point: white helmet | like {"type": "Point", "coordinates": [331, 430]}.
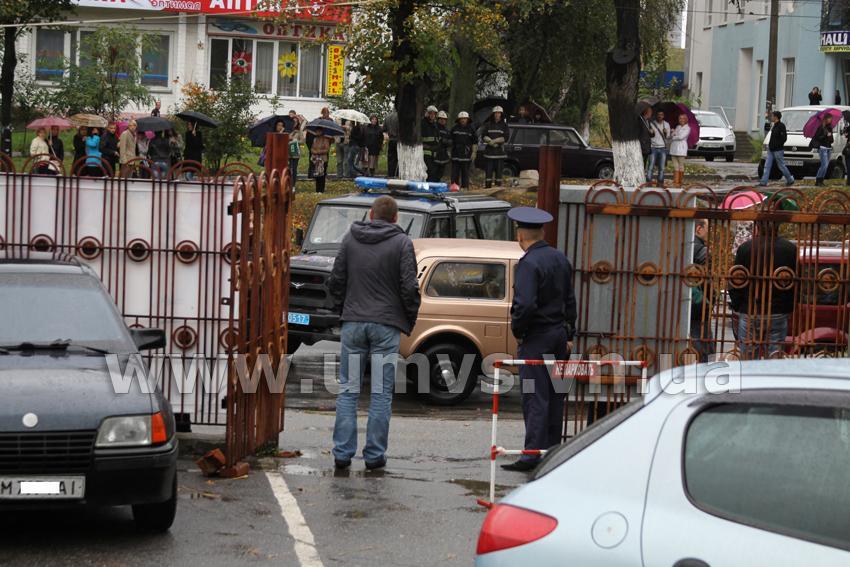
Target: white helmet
{"type": "Point", "coordinates": [498, 109]}
{"type": "Point", "coordinates": [442, 114]}
{"type": "Point", "coordinates": [462, 114]}
{"type": "Point", "coordinates": [431, 108]}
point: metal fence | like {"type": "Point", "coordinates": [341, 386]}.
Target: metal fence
{"type": "Point", "coordinates": [162, 247]}
{"type": "Point", "coordinates": [773, 282]}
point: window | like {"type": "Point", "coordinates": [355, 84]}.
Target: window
{"type": "Point", "coordinates": [709, 13]}
{"type": "Point", "coordinates": [441, 227]}
{"type": "Point", "coordinates": [564, 138]}
{"type": "Point", "coordinates": [788, 66]}
{"type": "Point", "coordinates": [529, 136]}
{"type": "Point", "coordinates": [776, 467]}
{"type": "Point", "coordinates": [468, 280]}
{"type": "Point", "coordinates": [757, 109]}
{"type": "Point", "coordinates": [724, 16]}
{"type": "Point", "coordinates": [699, 86]}
{"type": "Point", "coordinates": [331, 223]}
{"type": "Point", "coordinates": [283, 68]}
{"type": "Point", "coordinates": [155, 58]}
{"type": "Point", "coordinates": [49, 54]}
{"type": "Point", "coordinates": [495, 226]}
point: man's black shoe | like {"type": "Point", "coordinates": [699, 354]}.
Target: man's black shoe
{"type": "Point", "coordinates": [521, 466]}
{"type": "Point", "coordinates": [340, 465]}
{"type": "Point", "coordinates": [374, 465]}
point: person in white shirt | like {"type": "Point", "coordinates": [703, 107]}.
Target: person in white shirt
{"type": "Point", "coordinates": [679, 149]}
{"type": "Point", "coordinates": [660, 136]}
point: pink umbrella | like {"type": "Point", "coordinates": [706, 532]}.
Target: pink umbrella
{"type": "Point", "coordinates": [672, 110]}
{"type": "Point", "coordinates": [49, 122]}
{"type": "Point", "coordinates": [742, 200]}
{"type": "Point", "coordinates": [814, 122]}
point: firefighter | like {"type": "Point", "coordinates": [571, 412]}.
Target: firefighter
{"type": "Point", "coordinates": [494, 133]}
{"type": "Point", "coordinates": [430, 141]}
{"type": "Point", "coordinates": [543, 317]}
{"type": "Point", "coordinates": [442, 158]}
{"type": "Point", "coordinates": [463, 140]}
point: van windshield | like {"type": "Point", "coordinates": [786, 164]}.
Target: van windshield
{"type": "Point", "coordinates": [332, 222]}
{"type": "Point", "coordinates": [795, 119]}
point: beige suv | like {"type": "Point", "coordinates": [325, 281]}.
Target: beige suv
{"type": "Point", "coordinates": [467, 289]}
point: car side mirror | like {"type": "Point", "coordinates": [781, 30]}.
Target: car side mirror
{"type": "Point", "coordinates": [299, 237]}
{"type": "Point", "coordinates": [148, 339]}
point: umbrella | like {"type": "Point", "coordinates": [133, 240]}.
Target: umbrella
{"type": "Point", "coordinates": [672, 110]}
{"type": "Point", "coordinates": [153, 124]}
{"type": "Point", "coordinates": [812, 124]}
{"type": "Point", "coordinates": [90, 120]}
{"type": "Point", "coordinates": [50, 122]}
{"type": "Point", "coordinates": [349, 114]}
{"type": "Point", "coordinates": [121, 126]}
{"type": "Point", "coordinates": [323, 127]}
{"type": "Point", "coordinates": [199, 118]}
{"type": "Point", "coordinates": [263, 126]}
{"type": "Point", "coordinates": [742, 200]}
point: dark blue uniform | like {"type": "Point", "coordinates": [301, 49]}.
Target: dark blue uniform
{"type": "Point", "coordinates": [543, 317]}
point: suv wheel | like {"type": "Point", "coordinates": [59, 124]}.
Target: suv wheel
{"type": "Point", "coordinates": [605, 171]}
{"type": "Point", "coordinates": [445, 386]}
{"type": "Point", "coordinates": [157, 517]}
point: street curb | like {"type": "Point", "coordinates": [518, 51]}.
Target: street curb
{"type": "Point", "coordinates": [199, 444]}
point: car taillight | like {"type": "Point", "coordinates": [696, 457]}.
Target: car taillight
{"type": "Point", "coordinates": [508, 526]}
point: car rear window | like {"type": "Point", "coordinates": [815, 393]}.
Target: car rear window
{"type": "Point", "coordinates": [781, 468]}
{"type": "Point", "coordinates": [468, 280]}
{"type": "Point", "coordinates": [588, 437]}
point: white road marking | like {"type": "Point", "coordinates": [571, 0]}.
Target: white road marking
{"type": "Point", "coordinates": [305, 544]}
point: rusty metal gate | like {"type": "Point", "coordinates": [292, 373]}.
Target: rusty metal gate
{"type": "Point", "coordinates": [773, 283]}
{"type": "Point", "coordinates": [259, 296]}
{"type": "Point", "coordinates": [162, 247]}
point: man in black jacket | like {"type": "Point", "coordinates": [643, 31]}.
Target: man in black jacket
{"type": "Point", "coordinates": [374, 278]}
{"type": "Point", "coordinates": [109, 145]}
{"type": "Point", "coordinates": [701, 296]}
{"type": "Point", "coordinates": [764, 303]}
{"type": "Point", "coordinates": [776, 151]}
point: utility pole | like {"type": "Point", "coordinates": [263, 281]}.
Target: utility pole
{"type": "Point", "coordinates": [772, 52]}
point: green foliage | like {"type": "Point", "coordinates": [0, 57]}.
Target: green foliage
{"type": "Point", "coordinates": [108, 76]}
{"type": "Point", "coordinates": [231, 106]}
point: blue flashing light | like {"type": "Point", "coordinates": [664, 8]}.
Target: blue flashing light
{"type": "Point", "coordinates": [379, 183]}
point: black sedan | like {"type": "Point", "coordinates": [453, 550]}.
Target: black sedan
{"type": "Point", "coordinates": [578, 159]}
{"type": "Point", "coordinates": [72, 431]}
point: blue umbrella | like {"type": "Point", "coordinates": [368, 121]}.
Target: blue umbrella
{"type": "Point", "coordinates": [257, 133]}
{"type": "Point", "coordinates": [324, 127]}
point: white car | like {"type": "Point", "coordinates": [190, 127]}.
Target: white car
{"type": "Point", "coordinates": [716, 137]}
{"type": "Point", "coordinates": [801, 160]}
{"type": "Point", "coordinates": [717, 465]}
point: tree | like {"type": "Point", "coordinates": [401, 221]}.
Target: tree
{"type": "Point", "coordinates": [19, 13]}
{"type": "Point", "coordinates": [231, 106]}
{"type": "Point", "coordinates": [108, 76]}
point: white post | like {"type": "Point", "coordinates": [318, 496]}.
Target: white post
{"type": "Point", "coordinates": [496, 380]}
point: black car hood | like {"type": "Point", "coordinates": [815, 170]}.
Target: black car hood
{"type": "Point", "coordinates": [69, 392]}
{"type": "Point", "coordinates": [321, 262]}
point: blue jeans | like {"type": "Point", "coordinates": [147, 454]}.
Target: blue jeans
{"type": "Point", "coordinates": [762, 337]}
{"type": "Point", "coordinates": [825, 154]}
{"type": "Point", "coordinates": [359, 340]}
{"type": "Point", "coordinates": [160, 169]}
{"type": "Point", "coordinates": [657, 157]}
{"type": "Point", "coordinates": [779, 157]}
{"type": "Point", "coordinates": [351, 155]}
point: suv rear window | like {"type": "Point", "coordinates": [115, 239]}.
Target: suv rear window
{"type": "Point", "coordinates": [468, 280]}
{"type": "Point", "coordinates": [781, 468]}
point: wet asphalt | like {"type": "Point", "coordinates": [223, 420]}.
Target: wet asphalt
{"type": "Point", "coordinates": [420, 510]}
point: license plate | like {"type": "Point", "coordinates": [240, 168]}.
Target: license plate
{"type": "Point", "coordinates": [42, 488]}
{"type": "Point", "coordinates": [794, 162]}
{"type": "Point", "coordinates": [298, 318]}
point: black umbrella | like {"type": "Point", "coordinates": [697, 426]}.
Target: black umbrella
{"type": "Point", "coordinates": [263, 126]}
{"type": "Point", "coordinates": [153, 124]}
{"type": "Point", "coordinates": [324, 127]}
{"type": "Point", "coordinates": [199, 118]}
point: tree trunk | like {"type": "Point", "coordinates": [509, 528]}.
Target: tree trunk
{"type": "Point", "coordinates": [462, 95]}
{"type": "Point", "coordinates": [622, 74]}
{"type": "Point", "coordinates": [409, 100]}
{"type": "Point", "coordinates": [7, 75]}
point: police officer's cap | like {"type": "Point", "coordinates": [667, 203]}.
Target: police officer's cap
{"type": "Point", "coordinates": [529, 217]}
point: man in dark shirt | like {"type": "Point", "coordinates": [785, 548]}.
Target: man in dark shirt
{"type": "Point", "coordinates": [765, 302]}
{"type": "Point", "coordinates": [543, 317]}
{"type": "Point", "coordinates": [776, 151]}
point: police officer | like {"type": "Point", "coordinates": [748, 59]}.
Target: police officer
{"type": "Point", "coordinates": [430, 142]}
{"type": "Point", "coordinates": [543, 317]}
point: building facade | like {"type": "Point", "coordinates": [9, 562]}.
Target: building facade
{"type": "Point", "coordinates": [298, 58]}
{"type": "Point", "coordinates": [727, 56]}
